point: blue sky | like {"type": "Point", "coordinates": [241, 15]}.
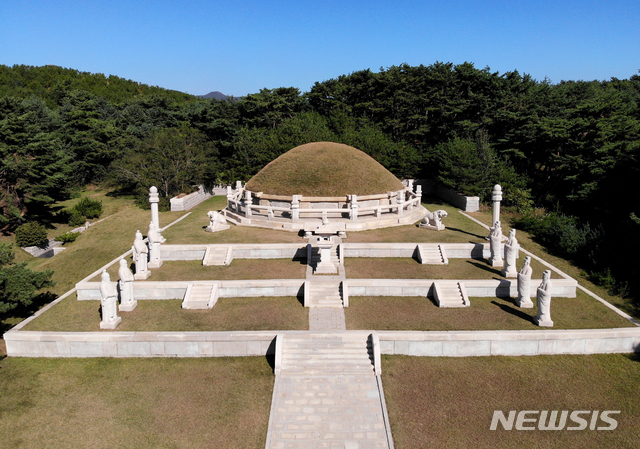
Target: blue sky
{"type": "Point", "coordinates": [239, 47]}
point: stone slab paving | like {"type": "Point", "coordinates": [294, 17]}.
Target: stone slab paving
{"type": "Point", "coordinates": [331, 411]}
{"type": "Point", "coordinates": [326, 318]}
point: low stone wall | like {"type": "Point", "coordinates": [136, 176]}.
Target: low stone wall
{"type": "Point", "coordinates": [139, 344]}
{"type": "Point", "coordinates": [191, 200]}
{"type": "Point", "coordinates": [479, 288]}
{"type": "Point", "coordinates": [453, 250]}
{"type": "Point", "coordinates": [510, 343]}
{"type": "Point", "coordinates": [90, 291]}
{"type": "Point", "coordinates": [466, 203]}
{"type": "Point", "coordinates": [482, 288]}
{"type": "Point", "coordinates": [261, 343]}
{"type": "Point", "coordinates": [240, 251]}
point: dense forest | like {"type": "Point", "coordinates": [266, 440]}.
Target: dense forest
{"type": "Point", "coordinates": [570, 149]}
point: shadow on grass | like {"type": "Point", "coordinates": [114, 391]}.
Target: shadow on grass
{"type": "Point", "coordinates": [513, 311]}
{"type": "Point", "coordinates": [635, 357]}
{"type": "Point", "coordinates": [466, 232]}
{"type": "Point", "coordinates": [25, 311]}
{"type": "Point", "coordinates": [486, 268]}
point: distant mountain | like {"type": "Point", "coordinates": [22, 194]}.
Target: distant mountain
{"type": "Point", "coordinates": [217, 95]}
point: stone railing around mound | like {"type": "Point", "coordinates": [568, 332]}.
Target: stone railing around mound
{"type": "Point", "coordinates": [248, 205]}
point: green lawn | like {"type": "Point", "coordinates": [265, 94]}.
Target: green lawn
{"type": "Point", "coordinates": [407, 268]}
{"type": "Point", "coordinates": [421, 313]}
{"type": "Point", "coordinates": [443, 402]}
{"type": "Point", "coordinates": [229, 314]}
{"type": "Point", "coordinates": [135, 403]}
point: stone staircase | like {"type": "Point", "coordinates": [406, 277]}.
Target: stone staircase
{"type": "Point", "coordinates": [217, 255]}
{"type": "Point", "coordinates": [323, 294]}
{"type": "Point", "coordinates": [322, 354]}
{"type": "Point", "coordinates": [200, 296]}
{"type": "Point", "coordinates": [315, 256]}
{"type": "Point", "coordinates": [450, 294]}
{"type": "Point", "coordinates": [432, 255]}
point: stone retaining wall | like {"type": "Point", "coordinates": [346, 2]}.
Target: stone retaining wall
{"type": "Point", "coordinates": [261, 343]}
{"type": "Point", "coordinates": [139, 344]}
{"type": "Point", "coordinates": [191, 200]}
{"type": "Point", "coordinates": [511, 343]}
{"type": "Point", "coordinates": [151, 290]}
{"type": "Point", "coordinates": [484, 288]}
{"type": "Point", "coordinates": [466, 203]}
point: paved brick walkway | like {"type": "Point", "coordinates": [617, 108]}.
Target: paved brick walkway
{"type": "Point", "coordinates": [332, 412]}
{"type": "Point", "coordinates": [326, 318]}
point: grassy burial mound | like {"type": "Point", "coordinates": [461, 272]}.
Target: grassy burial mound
{"type": "Point", "coordinates": [324, 169]}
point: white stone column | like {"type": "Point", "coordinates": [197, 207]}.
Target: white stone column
{"type": "Point", "coordinates": [354, 207]}
{"type": "Point", "coordinates": [496, 197]}
{"type": "Point", "coordinates": [400, 202]}
{"type": "Point", "coordinates": [154, 199]}
{"type": "Point", "coordinates": [247, 202]}
{"type": "Point", "coordinates": [238, 185]}
{"type": "Point", "coordinates": [295, 206]}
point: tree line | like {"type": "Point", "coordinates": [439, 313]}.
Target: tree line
{"type": "Point", "coordinates": [571, 148]}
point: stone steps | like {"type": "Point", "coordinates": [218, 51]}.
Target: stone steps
{"type": "Point", "coordinates": [450, 294]}
{"type": "Point", "coordinates": [326, 354]}
{"type": "Point", "coordinates": [200, 296]}
{"type": "Point", "coordinates": [217, 255]}
{"type": "Point", "coordinates": [324, 294]}
{"type": "Point", "coordinates": [432, 255]}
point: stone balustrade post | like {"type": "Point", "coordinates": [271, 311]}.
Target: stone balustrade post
{"type": "Point", "coordinates": [295, 208]}
{"type": "Point", "coordinates": [400, 202]}
{"type": "Point", "coordinates": [154, 199]}
{"type": "Point", "coordinates": [247, 202]}
{"type": "Point", "coordinates": [496, 197]}
{"type": "Point", "coordinates": [354, 207]}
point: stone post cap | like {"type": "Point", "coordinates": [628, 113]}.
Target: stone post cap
{"type": "Point", "coordinates": [153, 195]}
{"type": "Point", "coordinates": [496, 195]}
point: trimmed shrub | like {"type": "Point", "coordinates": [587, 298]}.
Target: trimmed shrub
{"type": "Point", "coordinates": [67, 237]}
{"type": "Point", "coordinates": [76, 219]}
{"type": "Point", "coordinates": [32, 234]}
{"type": "Point", "coordinates": [88, 208]}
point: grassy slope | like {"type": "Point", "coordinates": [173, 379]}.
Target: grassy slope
{"type": "Point", "coordinates": [527, 242]}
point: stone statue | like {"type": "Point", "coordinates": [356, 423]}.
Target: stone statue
{"type": "Point", "coordinates": [155, 240]}
{"type": "Point", "coordinates": [543, 318]}
{"type": "Point", "coordinates": [511, 253]}
{"type": "Point", "coordinates": [524, 285]}
{"type": "Point", "coordinates": [140, 257]}
{"type": "Point", "coordinates": [125, 285]}
{"type": "Point", "coordinates": [433, 220]}
{"type": "Point", "coordinates": [217, 222]}
{"type": "Point", "coordinates": [495, 244]}
{"type": "Point", "coordinates": [108, 301]}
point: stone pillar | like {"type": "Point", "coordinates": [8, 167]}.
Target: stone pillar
{"type": "Point", "coordinates": [247, 202]}
{"type": "Point", "coordinates": [154, 199]}
{"type": "Point", "coordinates": [419, 193]}
{"type": "Point", "coordinates": [354, 207]}
{"type": "Point", "coordinates": [400, 202]}
{"type": "Point", "coordinates": [238, 185]}
{"type": "Point", "coordinates": [295, 206]}
{"type": "Point", "coordinates": [496, 197]}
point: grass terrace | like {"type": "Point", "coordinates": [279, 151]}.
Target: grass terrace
{"type": "Point", "coordinates": [229, 314]}
{"type": "Point", "coordinates": [421, 314]}
{"type": "Point", "coordinates": [448, 402]}
{"type": "Point", "coordinates": [143, 403]}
